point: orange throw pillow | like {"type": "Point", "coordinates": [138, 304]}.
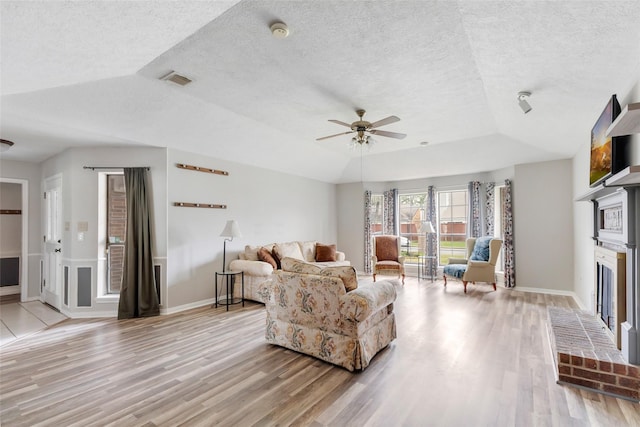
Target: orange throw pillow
{"type": "Point", "coordinates": [325, 253]}
{"type": "Point", "coordinates": [265, 255]}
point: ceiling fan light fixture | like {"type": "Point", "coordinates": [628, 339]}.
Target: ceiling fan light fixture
{"type": "Point", "coordinates": [522, 101]}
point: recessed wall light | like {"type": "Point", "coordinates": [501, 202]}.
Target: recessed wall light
{"type": "Point", "coordinates": [280, 30]}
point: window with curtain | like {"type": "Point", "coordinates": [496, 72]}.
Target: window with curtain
{"type": "Point", "coordinates": [376, 214]}
{"type": "Point", "coordinates": [116, 224]}
{"type": "Point", "coordinates": [453, 208]}
{"type": "Point", "coordinates": [412, 213]}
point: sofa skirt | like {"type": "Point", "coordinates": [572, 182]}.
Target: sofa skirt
{"type": "Point", "coordinates": [352, 353]}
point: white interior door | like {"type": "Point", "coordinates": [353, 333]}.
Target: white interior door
{"type": "Point", "coordinates": [52, 287]}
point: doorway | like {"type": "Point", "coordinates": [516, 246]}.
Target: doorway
{"type": "Point", "coordinates": [52, 250]}
{"type": "Point", "coordinates": [14, 203]}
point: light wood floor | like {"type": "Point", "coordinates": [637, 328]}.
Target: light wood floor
{"type": "Point", "coordinates": [21, 319]}
{"type": "Point", "coordinates": [479, 359]}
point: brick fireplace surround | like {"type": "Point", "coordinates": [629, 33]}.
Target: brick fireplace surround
{"type": "Point", "coordinates": [585, 355]}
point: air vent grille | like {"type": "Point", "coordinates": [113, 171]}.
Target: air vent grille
{"type": "Point", "coordinates": [176, 78]}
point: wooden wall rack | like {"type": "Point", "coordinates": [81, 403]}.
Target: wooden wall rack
{"type": "Point", "coordinates": [10, 212]}
{"type": "Point", "coordinates": [201, 169]}
{"type": "Point", "coordinates": [199, 205]}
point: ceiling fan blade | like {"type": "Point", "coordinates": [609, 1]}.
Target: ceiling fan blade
{"type": "Point", "coordinates": [385, 121]}
{"type": "Point", "coordinates": [332, 136]}
{"type": "Point", "coordinates": [338, 122]}
{"type": "Point", "coordinates": [388, 134]}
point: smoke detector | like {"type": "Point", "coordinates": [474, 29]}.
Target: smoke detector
{"type": "Point", "coordinates": [280, 30]}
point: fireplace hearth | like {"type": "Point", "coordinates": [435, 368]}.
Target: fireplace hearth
{"type": "Point", "coordinates": [585, 356]}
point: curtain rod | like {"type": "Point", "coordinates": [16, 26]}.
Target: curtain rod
{"type": "Point", "coordinates": [114, 167]}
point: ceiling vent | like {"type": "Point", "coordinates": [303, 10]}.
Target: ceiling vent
{"type": "Point", "coordinates": [176, 78]}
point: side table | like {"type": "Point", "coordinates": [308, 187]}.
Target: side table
{"type": "Point", "coordinates": [229, 277]}
{"type": "Point", "coordinates": [423, 261]}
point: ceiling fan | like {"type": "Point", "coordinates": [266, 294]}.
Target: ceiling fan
{"type": "Point", "coordinates": [364, 129]}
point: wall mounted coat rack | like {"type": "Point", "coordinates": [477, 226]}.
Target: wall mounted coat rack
{"type": "Point", "coordinates": [201, 169]}
{"type": "Point", "coordinates": [199, 205]}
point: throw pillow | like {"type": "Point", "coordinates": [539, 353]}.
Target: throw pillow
{"type": "Point", "coordinates": [308, 250]}
{"type": "Point", "coordinates": [481, 249]}
{"type": "Point", "coordinates": [325, 253]}
{"type": "Point", "coordinates": [296, 266]}
{"type": "Point", "coordinates": [251, 252]}
{"type": "Point", "coordinates": [276, 257]}
{"type": "Point", "coordinates": [346, 273]}
{"type": "Point", "coordinates": [387, 248]}
{"type": "Point", "coordinates": [290, 249]}
{"type": "Point", "coordinates": [265, 255]}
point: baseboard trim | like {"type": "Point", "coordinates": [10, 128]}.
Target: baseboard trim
{"type": "Point", "coordinates": [197, 304]}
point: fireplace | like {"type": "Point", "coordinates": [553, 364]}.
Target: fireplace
{"type": "Point", "coordinates": [599, 348]}
{"type": "Point", "coordinates": [610, 298]}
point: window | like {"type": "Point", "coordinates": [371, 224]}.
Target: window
{"type": "Point", "coordinates": [116, 225]}
{"type": "Point", "coordinates": [453, 208]}
{"type": "Point", "coordinates": [412, 213]}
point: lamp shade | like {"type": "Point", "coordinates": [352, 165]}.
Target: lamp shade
{"type": "Point", "coordinates": [427, 227]}
{"type": "Point", "coordinates": [231, 229]}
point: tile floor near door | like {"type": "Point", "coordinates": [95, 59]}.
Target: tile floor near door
{"type": "Point", "coordinates": [22, 319]}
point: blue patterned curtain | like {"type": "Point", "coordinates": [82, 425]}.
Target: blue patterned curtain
{"type": "Point", "coordinates": [367, 232]}
{"type": "Point", "coordinates": [475, 215]}
{"type": "Point", "coordinates": [390, 208]}
{"type": "Point", "coordinates": [507, 232]}
{"type": "Point", "coordinates": [490, 209]}
{"type": "Point", "coordinates": [432, 238]}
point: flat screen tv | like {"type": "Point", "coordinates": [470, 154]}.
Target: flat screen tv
{"type": "Point", "coordinates": [608, 155]}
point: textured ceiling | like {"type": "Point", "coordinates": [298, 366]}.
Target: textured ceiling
{"type": "Point", "coordinates": [78, 73]}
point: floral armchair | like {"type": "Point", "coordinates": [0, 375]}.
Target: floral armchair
{"type": "Point", "coordinates": [314, 314]}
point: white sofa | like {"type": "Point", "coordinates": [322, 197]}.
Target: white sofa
{"type": "Point", "coordinates": [257, 273]}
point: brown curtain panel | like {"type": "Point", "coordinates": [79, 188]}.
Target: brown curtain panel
{"type": "Point", "coordinates": [138, 296]}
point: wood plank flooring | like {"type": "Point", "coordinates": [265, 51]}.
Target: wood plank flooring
{"type": "Point", "coordinates": [476, 359]}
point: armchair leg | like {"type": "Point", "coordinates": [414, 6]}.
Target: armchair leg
{"type": "Point", "coordinates": [464, 282]}
{"type": "Point", "coordinates": [445, 280]}
{"type": "Point", "coordinates": [494, 286]}
{"type": "Point", "coordinates": [403, 278]}
{"type": "Point", "coordinates": [374, 277]}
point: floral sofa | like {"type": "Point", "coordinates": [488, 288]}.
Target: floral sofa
{"type": "Point", "coordinates": [259, 262]}
{"type": "Point", "coordinates": [311, 310]}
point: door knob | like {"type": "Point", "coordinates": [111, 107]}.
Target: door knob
{"type": "Point", "coordinates": [58, 250]}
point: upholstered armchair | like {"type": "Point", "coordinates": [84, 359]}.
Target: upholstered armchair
{"type": "Point", "coordinates": [479, 265]}
{"type": "Point", "coordinates": [326, 313]}
{"type": "Point", "coordinates": [386, 257]}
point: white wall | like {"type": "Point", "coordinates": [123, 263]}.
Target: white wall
{"type": "Point", "coordinates": [268, 206]}
{"type": "Point", "coordinates": [543, 225]}
{"type": "Point", "coordinates": [351, 223]}
{"type": "Point", "coordinates": [583, 211]}
{"type": "Point", "coordinates": [30, 173]}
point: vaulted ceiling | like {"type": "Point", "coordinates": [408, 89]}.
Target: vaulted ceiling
{"type": "Point", "coordinates": [87, 73]}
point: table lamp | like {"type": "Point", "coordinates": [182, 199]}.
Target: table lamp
{"type": "Point", "coordinates": [231, 230]}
